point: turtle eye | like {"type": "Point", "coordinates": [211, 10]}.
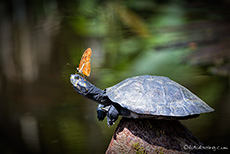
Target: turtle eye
{"type": "Point", "coordinates": [76, 77]}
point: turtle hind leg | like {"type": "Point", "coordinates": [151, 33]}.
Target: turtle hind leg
{"type": "Point", "coordinates": [112, 115]}
{"type": "Point", "coordinates": [101, 112]}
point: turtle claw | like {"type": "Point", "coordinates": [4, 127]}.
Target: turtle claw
{"type": "Point", "coordinates": [110, 123]}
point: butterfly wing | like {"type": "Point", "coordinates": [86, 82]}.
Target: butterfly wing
{"type": "Point", "coordinates": [87, 69]}
{"type": "Point", "coordinates": [84, 65]}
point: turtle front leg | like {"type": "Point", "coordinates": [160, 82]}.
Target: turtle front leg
{"type": "Point", "coordinates": [102, 111]}
{"type": "Point", "coordinates": [111, 112]}
{"type": "Point", "coordinates": [112, 115]}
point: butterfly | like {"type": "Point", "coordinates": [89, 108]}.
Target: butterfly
{"type": "Point", "coordinates": [84, 67]}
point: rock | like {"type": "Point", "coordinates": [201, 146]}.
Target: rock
{"type": "Point", "coordinates": [153, 136]}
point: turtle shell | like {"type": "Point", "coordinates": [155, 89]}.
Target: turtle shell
{"type": "Point", "coordinates": [156, 95]}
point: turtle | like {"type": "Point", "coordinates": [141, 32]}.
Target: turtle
{"type": "Point", "coordinates": [143, 96]}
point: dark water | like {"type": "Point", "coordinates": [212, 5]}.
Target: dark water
{"type": "Point", "coordinates": [41, 44]}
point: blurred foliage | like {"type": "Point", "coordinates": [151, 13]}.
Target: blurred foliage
{"type": "Point", "coordinates": [41, 44]}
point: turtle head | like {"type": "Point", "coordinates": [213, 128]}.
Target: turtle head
{"type": "Point", "coordinates": [87, 89]}
{"type": "Point", "coordinates": [79, 83]}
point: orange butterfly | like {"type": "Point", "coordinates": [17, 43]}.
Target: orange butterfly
{"type": "Point", "coordinates": [84, 67]}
